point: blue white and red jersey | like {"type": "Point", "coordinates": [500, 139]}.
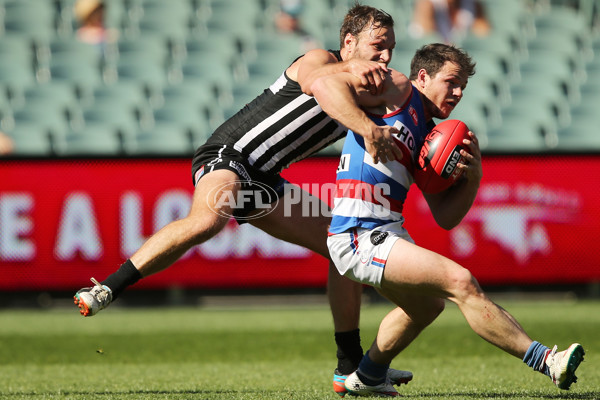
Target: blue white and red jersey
{"type": "Point", "coordinates": [369, 195]}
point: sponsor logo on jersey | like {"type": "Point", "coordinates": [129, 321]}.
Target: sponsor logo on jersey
{"type": "Point", "coordinates": [378, 237]}
{"type": "Point", "coordinates": [405, 136]}
{"type": "Point", "coordinates": [240, 169]}
{"type": "Point", "coordinates": [413, 115]}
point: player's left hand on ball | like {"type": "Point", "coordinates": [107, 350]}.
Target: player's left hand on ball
{"type": "Point", "coordinates": [472, 159]}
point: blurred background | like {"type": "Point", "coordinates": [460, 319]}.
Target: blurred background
{"type": "Point", "coordinates": [102, 104]}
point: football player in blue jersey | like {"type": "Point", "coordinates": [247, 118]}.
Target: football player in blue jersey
{"type": "Point", "coordinates": [368, 242]}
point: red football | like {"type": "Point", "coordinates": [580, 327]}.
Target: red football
{"type": "Point", "coordinates": [436, 167]}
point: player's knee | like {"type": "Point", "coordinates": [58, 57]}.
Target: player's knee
{"type": "Point", "coordinates": [431, 312]}
{"type": "Point", "coordinates": [201, 229]}
{"type": "Point", "coordinates": [463, 284]}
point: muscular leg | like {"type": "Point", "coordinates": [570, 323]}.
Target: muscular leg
{"type": "Point", "coordinates": [412, 269]}
{"type": "Point", "coordinates": [403, 324]}
{"type": "Point", "coordinates": [344, 299]}
{"type": "Point", "coordinates": [170, 243]}
{"type": "Point", "coordinates": [287, 222]}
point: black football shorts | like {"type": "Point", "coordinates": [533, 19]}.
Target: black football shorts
{"type": "Point", "coordinates": [262, 188]}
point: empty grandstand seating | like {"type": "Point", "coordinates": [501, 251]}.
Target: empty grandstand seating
{"type": "Point", "coordinates": [180, 67]}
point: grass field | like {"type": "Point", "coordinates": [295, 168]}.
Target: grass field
{"type": "Point", "coordinates": [270, 353]}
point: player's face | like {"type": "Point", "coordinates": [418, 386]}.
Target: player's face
{"type": "Point", "coordinates": [444, 90]}
{"type": "Point", "coordinates": [375, 44]}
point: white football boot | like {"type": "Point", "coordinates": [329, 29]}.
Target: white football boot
{"type": "Point", "coordinates": [90, 300]}
{"type": "Point", "coordinates": [356, 387]}
{"type": "Point", "coordinates": [562, 365]}
{"type": "Point", "coordinates": [395, 376]}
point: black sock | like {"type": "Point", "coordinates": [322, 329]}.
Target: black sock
{"type": "Point", "coordinates": [349, 351]}
{"type": "Point", "coordinates": [126, 275]}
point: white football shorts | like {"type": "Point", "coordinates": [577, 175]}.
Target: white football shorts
{"type": "Point", "coordinates": [361, 254]}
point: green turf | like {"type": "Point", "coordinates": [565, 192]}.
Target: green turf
{"type": "Point", "coordinates": [267, 353]}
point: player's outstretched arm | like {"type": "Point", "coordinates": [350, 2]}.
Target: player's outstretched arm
{"type": "Point", "coordinates": [341, 95]}
{"type": "Point", "coordinates": [319, 62]}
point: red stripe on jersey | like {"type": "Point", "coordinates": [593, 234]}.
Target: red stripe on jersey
{"type": "Point", "coordinates": [355, 189]}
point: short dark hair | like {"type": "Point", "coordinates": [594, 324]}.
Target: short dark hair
{"type": "Point", "coordinates": [359, 16]}
{"type": "Point", "coordinates": [432, 57]}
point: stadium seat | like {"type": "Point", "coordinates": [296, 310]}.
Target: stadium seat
{"type": "Point", "coordinates": [16, 75]}
{"type": "Point", "coordinates": [18, 49]}
{"type": "Point", "coordinates": [176, 11]}
{"type": "Point", "coordinates": [405, 50]}
{"type": "Point", "coordinates": [92, 140]}
{"type": "Point", "coordinates": [545, 104]}
{"type": "Point", "coordinates": [315, 18]}
{"type": "Point", "coordinates": [592, 69]}
{"type": "Point", "coordinates": [557, 18]}
{"type": "Point", "coordinates": [165, 138]}
{"type": "Point", "coordinates": [71, 48]}
{"type": "Point", "coordinates": [498, 44]}
{"type": "Point", "coordinates": [188, 115]}
{"type": "Point", "coordinates": [223, 47]}
{"type": "Point", "coordinates": [510, 17]}
{"type": "Point", "coordinates": [563, 48]}
{"type": "Point", "coordinates": [125, 94]}
{"type": "Point", "coordinates": [151, 75]}
{"type": "Point", "coordinates": [222, 17]}
{"type": "Point", "coordinates": [552, 64]}
{"type": "Point", "coordinates": [590, 92]}
{"type": "Point", "coordinates": [244, 93]}
{"type": "Point", "coordinates": [51, 94]}
{"type": "Point", "coordinates": [474, 115]}
{"type": "Point", "coordinates": [217, 73]}
{"type": "Point", "coordinates": [65, 20]}
{"type": "Point", "coordinates": [580, 135]}
{"type": "Point", "coordinates": [71, 70]}
{"type": "Point", "coordinates": [31, 139]}
{"type": "Point", "coordinates": [495, 51]}
{"type": "Point", "coordinates": [568, 22]}
{"type": "Point", "coordinates": [198, 94]}
{"type": "Point", "coordinates": [169, 29]}
{"type": "Point", "coordinates": [284, 48]}
{"type": "Point", "coordinates": [517, 135]}
{"type": "Point", "coordinates": [52, 116]}
{"type": "Point", "coordinates": [113, 116]}
{"type": "Point", "coordinates": [266, 70]}
{"type": "Point", "coordinates": [150, 47]}
{"type": "Point", "coordinates": [115, 12]}
{"type": "Point", "coordinates": [32, 18]}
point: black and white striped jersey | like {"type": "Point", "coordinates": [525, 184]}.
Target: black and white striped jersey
{"type": "Point", "coordinates": [279, 127]}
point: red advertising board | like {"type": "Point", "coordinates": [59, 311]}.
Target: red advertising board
{"type": "Point", "coordinates": [535, 220]}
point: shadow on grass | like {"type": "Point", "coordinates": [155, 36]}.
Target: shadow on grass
{"type": "Point", "coordinates": [588, 395]}
{"type": "Point", "coordinates": [169, 394]}
{"type": "Point", "coordinates": [266, 394]}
